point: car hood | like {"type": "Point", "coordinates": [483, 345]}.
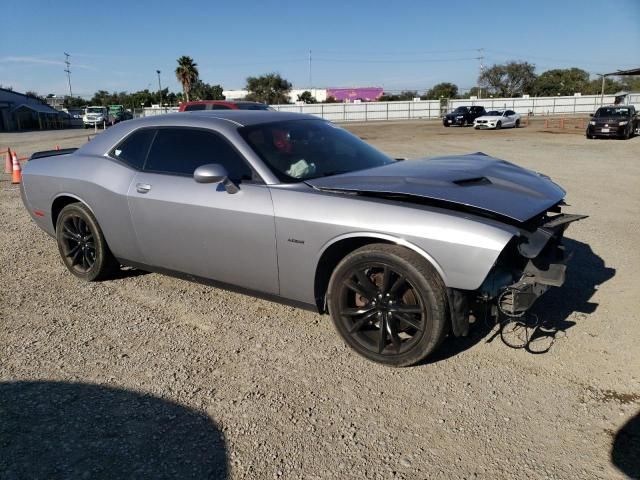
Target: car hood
{"type": "Point", "coordinates": [610, 120]}
{"type": "Point", "coordinates": [476, 181]}
{"type": "Point", "coordinates": [489, 117]}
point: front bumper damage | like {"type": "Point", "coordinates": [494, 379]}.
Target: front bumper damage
{"type": "Point", "coordinates": [528, 266]}
{"type": "Point", "coordinates": [546, 265]}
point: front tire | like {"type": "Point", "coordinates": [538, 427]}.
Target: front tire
{"type": "Point", "coordinates": [388, 304]}
{"type": "Point", "coordinates": [82, 245]}
{"type": "Point", "coordinates": [498, 125]}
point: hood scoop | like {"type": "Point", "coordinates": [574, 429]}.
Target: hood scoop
{"type": "Point", "coordinates": [477, 181]}
{"type": "Point", "coordinates": [470, 182]}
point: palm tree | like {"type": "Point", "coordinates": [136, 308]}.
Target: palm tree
{"type": "Point", "coordinates": [187, 74]}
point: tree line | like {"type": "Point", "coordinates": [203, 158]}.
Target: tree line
{"type": "Point", "coordinates": [511, 79]}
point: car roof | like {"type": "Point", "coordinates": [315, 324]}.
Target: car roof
{"type": "Point", "coordinates": [221, 119]}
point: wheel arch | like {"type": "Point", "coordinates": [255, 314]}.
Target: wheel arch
{"type": "Point", "coordinates": [62, 200]}
{"type": "Point", "coordinates": [337, 248]}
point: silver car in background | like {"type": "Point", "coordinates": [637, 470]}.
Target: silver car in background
{"type": "Point", "coordinates": [295, 209]}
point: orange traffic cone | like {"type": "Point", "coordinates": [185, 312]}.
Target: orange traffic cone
{"type": "Point", "coordinates": [17, 169]}
{"type": "Point", "coordinates": [8, 163]}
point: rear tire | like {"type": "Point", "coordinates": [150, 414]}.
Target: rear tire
{"type": "Point", "coordinates": [388, 304]}
{"type": "Point", "coordinates": [82, 245]}
{"type": "Point", "coordinates": [518, 123]}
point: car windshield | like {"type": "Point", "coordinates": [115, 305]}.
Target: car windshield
{"type": "Point", "coordinates": [461, 110]}
{"type": "Point", "coordinates": [612, 112]}
{"type": "Point", "coordinates": [94, 110]}
{"type": "Point", "coordinates": [304, 149]}
{"type": "Point", "coordinates": [495, 113]}
{"type": "Point", "coordinates": [253, 106]}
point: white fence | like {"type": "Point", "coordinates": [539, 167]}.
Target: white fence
{"type": "Point", "coordinates": [431, 109]}
{"type": "Point", "coordinates": [547, 105]}
{"type": "Point", "coordinates": [368, 111]}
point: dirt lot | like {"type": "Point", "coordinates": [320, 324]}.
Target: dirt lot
{"type": "Point", "coordinates": [154, 377]}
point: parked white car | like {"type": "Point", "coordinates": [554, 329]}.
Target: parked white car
{"type": "Point", "coordinates": [497, 119]}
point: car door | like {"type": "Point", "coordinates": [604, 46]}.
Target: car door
{"type": "Point", "coordinates": [510, 118]}
{"type": "Point", "coordinates": [201, 229]}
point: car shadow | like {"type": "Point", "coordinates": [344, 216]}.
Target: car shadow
{"type": "Point", "coordinates": [56, 430]}
{"type": "Point", "coordinates": [625, 452]}
{"type": "Point", "coordinates": [551, 316]}
{"type": "Point", "coordinates": [127, 272]}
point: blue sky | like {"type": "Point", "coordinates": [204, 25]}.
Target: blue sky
{"type": "Point", "coordinates": [118, 45]}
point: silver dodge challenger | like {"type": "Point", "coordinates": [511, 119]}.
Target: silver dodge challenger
{"type": "Point", "coordinates": [296, 209]}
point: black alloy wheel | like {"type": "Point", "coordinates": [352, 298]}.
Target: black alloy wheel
{"type": "Point", "coordinates": [78, 244]}
{"type": "Point", "coordinates": [81, 243]}
{"type": "Point", "coordinates": [388, 304]}
{"type": "Point", "coordinates": [498, 125]}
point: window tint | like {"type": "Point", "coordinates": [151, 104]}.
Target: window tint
{"type": "Point", "coordinates": [302, 149]}
{"type": "Point", "coordinates": [182, 150]}
{"type": "Point", "coordinates": [216, 106]}
{"type": "Point", "coordinates": [195, 106]}
{"type": "Point", "coordinates": [510, 112]}
{"type": "Point", "coordinates": [133, 150]}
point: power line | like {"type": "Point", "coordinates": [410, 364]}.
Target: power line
{"type": "Point", "coordinates": [68, 70]}
{"type": "Point", "coordinates": [310, 78]}
{"type": "Point", "coordinates": [414, 60]}
{"type": "Point", "coordinates": [481, 59]}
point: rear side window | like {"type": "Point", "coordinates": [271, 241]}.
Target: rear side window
{"type": "Point", "coordinates": [195, 106]}
{"type": "Point", "coordinates": [181, 150]}
{"type": "Point", "coordinates": [216, 106]}
{"type": "Point", "coordinates": [133, 150]}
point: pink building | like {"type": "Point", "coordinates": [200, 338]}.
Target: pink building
{"type": "Point", "coordinates": [366, 94]}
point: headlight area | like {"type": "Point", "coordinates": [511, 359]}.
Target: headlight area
{"type": "Point", "coordinates": [529, 265]}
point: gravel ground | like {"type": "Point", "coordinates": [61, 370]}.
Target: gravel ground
{"type": "Point", "coordinates": [153, 377]}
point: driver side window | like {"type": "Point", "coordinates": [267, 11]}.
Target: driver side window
{"type": "Point", "coordinates": [180, 151]}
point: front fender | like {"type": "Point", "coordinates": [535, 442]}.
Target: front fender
{"type": "Point", "coordinates": [387, 238]}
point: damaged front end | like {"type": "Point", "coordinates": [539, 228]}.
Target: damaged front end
{"type": "Point", "coordinates": [529, 265]}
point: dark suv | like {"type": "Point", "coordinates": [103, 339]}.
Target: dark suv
{"type": "Point", "coordinates": [463, 116]}
{"type": "Point", "coordinates": [613, 121]}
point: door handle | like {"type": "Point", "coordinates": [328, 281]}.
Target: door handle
{"type": "Point", "coordinates": [143, 187]}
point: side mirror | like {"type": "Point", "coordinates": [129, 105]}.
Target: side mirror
{"type": "Point", "coordinates": [214, 173]}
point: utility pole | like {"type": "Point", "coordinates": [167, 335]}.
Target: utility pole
{"type": "Point", "coordinates": [68, 70]}
{"type": "Point", "coordinates": [159, 87]}
{"type": "Point", "coordinates": [310, 78]}
{"type": "Point", "coordinates": [481, 58]}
